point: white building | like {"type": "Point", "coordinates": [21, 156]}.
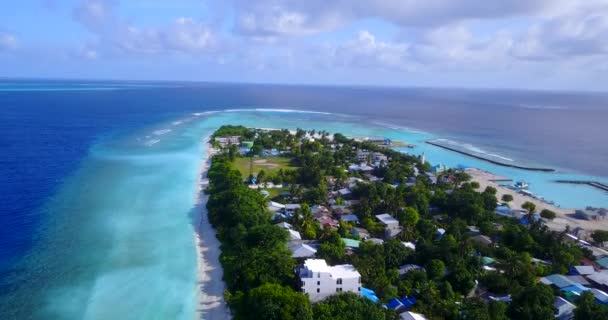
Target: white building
{"type": "Point", "coordinates": [320, 281]}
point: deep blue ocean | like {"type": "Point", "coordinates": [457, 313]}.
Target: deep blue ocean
{"type": "Point", "coordinates": [60, 143]}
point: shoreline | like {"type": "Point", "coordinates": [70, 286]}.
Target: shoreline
{"type": "Point", "coordinates": [564, 215]}
{"type": "Point", "coordinates": [210, 286]}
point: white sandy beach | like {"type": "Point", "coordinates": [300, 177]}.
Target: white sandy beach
{"type": "Point", "coordinates": [210, 303]}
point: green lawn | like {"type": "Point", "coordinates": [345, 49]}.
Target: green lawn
{"type": "Point", "coordinates": [270, 165]}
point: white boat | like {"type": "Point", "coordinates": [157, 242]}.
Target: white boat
{"type": "Point", "coordinates": [521, 185]}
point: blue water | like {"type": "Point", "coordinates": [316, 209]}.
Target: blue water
{"type": "Point", "coordinates": [98, 179]}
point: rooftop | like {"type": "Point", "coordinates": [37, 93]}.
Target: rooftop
{"type": "Point", "coordinates": [387, 219]}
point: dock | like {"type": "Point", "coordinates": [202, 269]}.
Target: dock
{"type": "Point", "coordinates": [487, 158]}
{"type": "Point", "coordinates": [595, 184]}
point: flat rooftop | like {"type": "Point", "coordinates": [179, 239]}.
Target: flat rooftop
{"type": "Point", "coordinates": [387, 218]}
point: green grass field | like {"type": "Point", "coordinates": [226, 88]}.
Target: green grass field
{"type": "Point", "coordinates": [269, 165]}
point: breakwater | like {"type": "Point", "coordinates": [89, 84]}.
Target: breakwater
{"type": "Point", "coordinates": [485, 157]}
{"type": "Point", "coordinates": [594, 184]}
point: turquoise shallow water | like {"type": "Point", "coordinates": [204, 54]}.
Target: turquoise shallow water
{"type": "Point", "coordinates": [119, 241]}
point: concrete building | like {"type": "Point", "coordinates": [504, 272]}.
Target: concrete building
{"type": "Point", "coordinates": [320, 281]}
{"type": "Point", "coordinates": [226, 141]}
{"type": "Point", "coordinates": [391, 225]}
{"type": "Point", "coordinates": [363, 156]}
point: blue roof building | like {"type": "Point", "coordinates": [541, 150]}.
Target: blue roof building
{"type": "Point", "coordinates": [557, 280]}
{"type": "Point", "coordinates": [603, 262]}
{"type": "Point", "coordinates": [394, 304]}
{"type": "Point", "coordinates": [369, 294]}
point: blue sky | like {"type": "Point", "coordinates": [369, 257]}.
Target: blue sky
{"type": "Point", "coordinates": [533, 44]}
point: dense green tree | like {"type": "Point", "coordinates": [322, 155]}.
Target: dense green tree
{"type": "Point", "coordinates": [273, 301]}
{"type": "Point", "coordinates": [395, 254]}
{"type": "Point", "coordinates": [600, 236]}
{"type": "Point", "coordinates": [497, 310]}
{"type": "Point", "coordinates": [548, 214]}
{"type": "Point", "coordinates": [507, 197]}
{"type": "Point", "coordinates": [347, 306]}
{"type": "Point", "coordinates": [533, 303]}
{"type": "Point", "coordinates": [435, 269]}
{"type": "Point", "coordinates": [332, 248]}
{"type": "Point", "coordinates": [474, 309]}
{"type": "Point", "coordinates": [588, 309]}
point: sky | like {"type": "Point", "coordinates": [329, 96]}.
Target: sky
{"type": "Point", "coordinates": [527, 44]}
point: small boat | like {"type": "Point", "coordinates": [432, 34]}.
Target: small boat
{"type": "Point", "coordinates": [521, 185]}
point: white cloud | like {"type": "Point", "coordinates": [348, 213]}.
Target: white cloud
{"type": "Point", "coordinates": [183, 35]}
{"type": "Point", "coordinates": [368, 52]}
{"type": "Point", "coordinates": [7, 41]}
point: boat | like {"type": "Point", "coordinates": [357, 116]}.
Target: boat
{"type": "Point", "coordinates": [521, 185]}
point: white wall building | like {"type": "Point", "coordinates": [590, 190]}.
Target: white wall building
{"type": "Point", "coordinates": [320, 281]}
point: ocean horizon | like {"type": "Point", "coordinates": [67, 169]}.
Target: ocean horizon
{"type": "Point", "coordinates": [99, 177]}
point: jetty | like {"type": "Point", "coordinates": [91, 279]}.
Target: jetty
{"type": "Point", "coordinates": [487, 158]}
{"type": "Point", "coordinates": [595, 184]}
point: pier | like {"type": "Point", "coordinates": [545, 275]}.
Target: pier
{"type": "Point", "coordinates": [487, 158]}
{"type": "Point", "coordinates": [595, 184]}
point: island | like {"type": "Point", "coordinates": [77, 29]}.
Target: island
{"type": "Point", "coordinates": [315, 225]}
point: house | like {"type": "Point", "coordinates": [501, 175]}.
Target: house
{"type": "Point", "coordinates": [557, 280]}
{"type": "Point", "coordinates": [379, 157]}
{"type": "Point", "coordinates": [360, 232]}
{"type": "Point", "coordinates": [369, 294]}
{"type": "Point", "coordinates": [291, 208]}
{"type": "Point", "coordinates": [284, 225]}
{"type": "Point", "coordinates": [275, 206]}
{"type": "Point", "coordinates": [376, 241]}
{"type": "Point", "coordinates": [327, 221]}
{"type": "Point", "coordinates": [572, 293]}
{"type": "Point", "coordinates": [344, 193]}
{"type": "Point", "coordinates": [351, 243]}
{"type": "Point", "coordinates": [404, 269]}
{"type": "Point", "coordinates": [600, 296]}
{"type": "Point", "coordinates": [363, 156]}
{"type": "Point", "coordinates": [591, 213]}
{"type": "Point", "coordinates": [603, 262]}
{"type": "Point", "coordinates": [395, 304]}
{"type": "Point", "coordinates": [409, 245]}
{"type": "Point", "coordinates": [349, 218]}
{"type": "Point", "coordinates": [482, 240]}
{"type": "Point", "coordinates": [228, 140]}
{"type": "Point", "coordinates": [437, 169]}
{"type": "Point", "coordinates": [302, 250]}
{"type": "Point", "coordinates": [599, 279]}
{"type": "Point", "coordinates": [440, 232]}
{"type": "Point", "coordinates": [318, 211]}
{"type": "Point", "coordinates": [564, 310]}
{"type": "Point", "coordinates": [320, 281]}
{"type": "Point", "coordinates": [581, 270]}
{"type": "Point", "coordinates": [408, 315]}
{"type": "Point", "coordinates": [391, 225]}
{"type": "Point", "coordinates": [579, 280]}
{"type": "Point", "coordinates": [294, 235]}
